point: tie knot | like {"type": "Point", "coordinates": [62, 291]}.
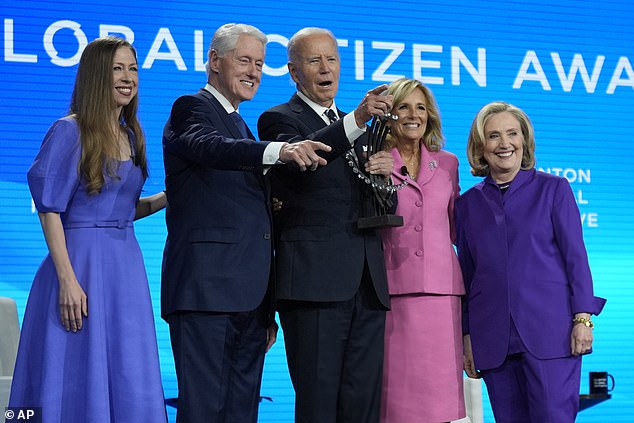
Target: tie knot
{"type": "Point", "coordinates": [332, 116]}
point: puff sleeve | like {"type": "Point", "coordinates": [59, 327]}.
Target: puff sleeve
{"type": "Point", "coordinates": [54, 176]}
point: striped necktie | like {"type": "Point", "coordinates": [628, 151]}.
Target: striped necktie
{"type": "Point", "coordinates": [331, 115]}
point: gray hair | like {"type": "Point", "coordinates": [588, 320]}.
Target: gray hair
{"type": "Point", "coordinates": [305, 32]}
{"type": "Point", "coordinates": [226, 37]}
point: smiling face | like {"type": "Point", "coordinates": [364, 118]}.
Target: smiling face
{"type": "Point", "coordinates": [238, 73]}
{"type": "Point", "coordinates": [412, 118]}
{"type": "Point", "coordinates": [125, 76]}
{"type": "Point", "coordinates": [504, 146]}
{"type": "Point", "coordinates": [315, 68]}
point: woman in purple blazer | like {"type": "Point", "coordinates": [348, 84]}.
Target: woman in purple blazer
{"type": "Point", "coordinates": [526, 315]}
{"type": "Point", "coordinates": [422, 371]}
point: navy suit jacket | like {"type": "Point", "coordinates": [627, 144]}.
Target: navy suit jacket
{"type": "Point", "coordinates": [320, 253]}
{"type": "Point", "coordinates": [219, 248]}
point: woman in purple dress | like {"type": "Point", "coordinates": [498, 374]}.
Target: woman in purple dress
{"type": "Point", "coordinates": [88, 348]}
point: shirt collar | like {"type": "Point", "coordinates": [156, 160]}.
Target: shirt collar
{"type": "Point", "coordinates": [221, 98]}
{"type": "Point", "coordinates": [318, 108]}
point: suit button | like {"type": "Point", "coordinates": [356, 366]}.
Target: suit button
{"type": "Point", "coordinates": [419, 253]}
{"type": "Point", "coordinates": [267, 236]}
{"type": "Point", "coordinates": [418, 228]}
{"type": "Point", "coordinates": [419, 203]}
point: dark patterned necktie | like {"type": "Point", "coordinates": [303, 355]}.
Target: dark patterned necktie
{"type": "Point", "coordinates": [332, 116]}
{"type": "Point", "coordinates": [352, 154]}
{"type": "Point", "coordinates": [242, 126]}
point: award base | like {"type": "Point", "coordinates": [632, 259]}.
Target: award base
{"type": "Point", "coordinates": [382, 221]}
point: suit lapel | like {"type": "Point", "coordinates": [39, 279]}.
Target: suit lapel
{"type": "Point", "coordinates": [428, 166]}
{"type": "Point", "coordinates": [232, 130]}
{"type": "Point", "coordinates": [306, 113]}
{"type": "Point", "coordinates": [426, 170]}
{"type": "Point", "coordinates": [311, 119]}
{"type": "Point", "coordinates": [230, 126]}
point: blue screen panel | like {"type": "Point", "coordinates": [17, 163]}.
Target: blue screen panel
{"type": "Point", "coordinates": [568, 65]}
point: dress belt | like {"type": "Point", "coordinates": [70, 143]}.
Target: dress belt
{"type": "Point", "coordinates": [118, 224]}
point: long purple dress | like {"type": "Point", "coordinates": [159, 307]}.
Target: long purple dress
{"type": "Point", "coordinates": [109, 370]}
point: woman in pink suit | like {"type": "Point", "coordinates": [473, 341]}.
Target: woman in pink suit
{"type": "Point", "coordinates": [422, 372]}
{"type": "Point", "coordinates": [529, 288]}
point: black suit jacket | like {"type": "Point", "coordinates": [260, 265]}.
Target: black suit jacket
{"type": "Point", "coordinates": [219, 245]}
{"type": "Point", "coordinates": [320, 253]}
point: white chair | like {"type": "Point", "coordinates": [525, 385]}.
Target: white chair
{"type": "Point", "coordinates": [473, 401]}
{"type": "Point", "coordinates": [9, 337]}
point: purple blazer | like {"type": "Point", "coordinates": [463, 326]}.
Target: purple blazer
{"type": "Point", "coordinates": [522, 257]}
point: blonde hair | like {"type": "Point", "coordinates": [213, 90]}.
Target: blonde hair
{"type": "Point", "coordinates": [433, 138]}
{"type": "Point", "coordinates": [477, 137]}
{"type": "Point", "coordinates": [92, 105]}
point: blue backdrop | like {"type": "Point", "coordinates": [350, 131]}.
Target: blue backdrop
{"type": "Point", "coordinates": [568, 64]}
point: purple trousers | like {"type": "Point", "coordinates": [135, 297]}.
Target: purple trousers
{"type": "Point", "coordinates": [528, 389]}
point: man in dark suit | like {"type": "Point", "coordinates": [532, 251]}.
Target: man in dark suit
{"type": "Point", "coordinates": [331, 282]}
{"type": "Point", "coordinates": [215, 291]}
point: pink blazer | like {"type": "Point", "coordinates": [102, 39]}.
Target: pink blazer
{"type": "Point", "coordinates": [419, 256]}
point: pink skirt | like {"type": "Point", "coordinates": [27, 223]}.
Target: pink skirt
{"type": "Point", "coordinates": [422, 371]}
